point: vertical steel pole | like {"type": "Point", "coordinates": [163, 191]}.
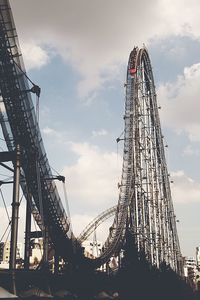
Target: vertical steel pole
{"type": "Point", "coordinates": [56, 263]}
{"type": "Point", "coordinates": [27, 233]}
{"type": "Point", "coordinates": [15, 218]}
{"type": "Point", "coordinates": [45, 243]}
{"type": "Point", "coordinates": [15, 211]}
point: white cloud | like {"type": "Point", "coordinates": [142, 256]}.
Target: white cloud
{"type": "Point", "coordinates": [180, 102]}
{"type": "Point", "coordinates": [184, 189]}
{"type": "Point", "coordinates": [189, 150]}
{"type": "Point", "coordinates": [49, 131]}
{"type": "Point", "coordinates": [55, 135]}
{"type": "Point", "coordinates": [101, 132]}
{"type": "Point", "coordinates": [35, 57]}
{"type": "Point", "coordinates": [96, 36]}
{"type": "Point", "coordinates": [92, 179]}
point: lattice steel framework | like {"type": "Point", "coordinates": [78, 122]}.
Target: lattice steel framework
{"type": "Point", "coordinates": [20, 126]}
{"type": "Point", "coordinates": [144, 206]}
{"type": "Point", "coordinates": [151, 214]}
{"type": "Point", "coordinates": [145, 202]}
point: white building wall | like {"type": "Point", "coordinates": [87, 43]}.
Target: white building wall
{"type": "Point", "coordinates": [6, 252]}
{"type": "Point", "coordinates": [92, 248]}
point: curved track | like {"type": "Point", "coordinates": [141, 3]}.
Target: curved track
{"type": "Point", "coordinates": [144, 206]}
{"type": "Point", "coordinates": [20, 126]}
{"type": "Point", "coordinates": [96, 222]}
{"type": "Point", "coordinates": [151, 216]}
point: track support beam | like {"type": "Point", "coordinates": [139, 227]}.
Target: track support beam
{"type": "Point", "coordinates": [27, 233]}
{"type": "Point", "coordinates": [15, 217]}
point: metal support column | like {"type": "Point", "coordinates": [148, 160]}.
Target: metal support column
{"type": "Point", "coordinates": [15, 218]}
{"type": "Point", "coordinates": [56, 263]}
{"type": "Point", "coordinates": [45, 244]}
{"type": "Point", "coordinates": [27, 234]}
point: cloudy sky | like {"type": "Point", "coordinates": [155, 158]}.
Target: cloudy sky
{"type": "Point", "coordinates": [77, 52]}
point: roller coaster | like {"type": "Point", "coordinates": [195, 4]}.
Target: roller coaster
{"type": "Point", "coordinates": [144, 207]}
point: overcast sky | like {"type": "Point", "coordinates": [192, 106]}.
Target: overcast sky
{"type": "Point", "coordinates": [77, 52]}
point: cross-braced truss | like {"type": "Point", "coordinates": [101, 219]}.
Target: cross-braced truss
{"type": "Point", "coordinates": [151, 214]}
{"type": "Point", "coordinates": [144, 206]}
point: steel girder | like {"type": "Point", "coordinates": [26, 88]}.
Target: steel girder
{"type": "Point", "coordinates": [20, 126]}
{"type": "Point", "coordinates": [144, 205]}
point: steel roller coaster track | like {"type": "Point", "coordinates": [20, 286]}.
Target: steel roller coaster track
{"type": "Point", "coordinates": [144, 207]}
{"type": "Point", "coordinates": [20, 126]}
{"type": "Point", "coordinates": [96, 222]}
